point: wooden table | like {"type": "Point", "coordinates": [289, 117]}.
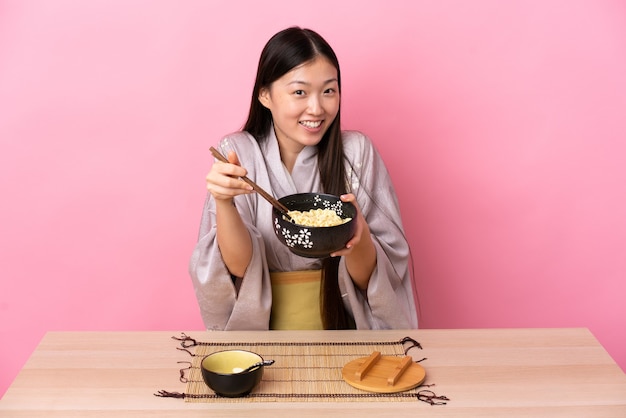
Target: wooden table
{"type": "Point", "coordinates": [485, 373]}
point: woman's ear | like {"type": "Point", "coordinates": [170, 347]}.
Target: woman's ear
{"type": "Point", "coordinates": [264, 97]}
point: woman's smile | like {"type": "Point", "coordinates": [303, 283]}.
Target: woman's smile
{"type": "Point", "coordinates": [313, 126]}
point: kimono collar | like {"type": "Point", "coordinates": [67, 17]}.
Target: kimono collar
{"type": "Point", "coordinates": [304, 172]}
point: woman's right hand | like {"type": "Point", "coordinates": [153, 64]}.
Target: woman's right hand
{"type": "Point", "coordinates": [224, 180]}
{"type": "Point", "coordinates": [233, 239]}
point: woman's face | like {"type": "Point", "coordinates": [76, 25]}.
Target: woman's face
{"type": "Point", "coordinates": [304, 103]}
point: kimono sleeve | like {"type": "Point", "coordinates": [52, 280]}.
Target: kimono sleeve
{"type": "Point", "coordinates": [227, 303]}
{"type": "Point", "coordinates": [388, 302]}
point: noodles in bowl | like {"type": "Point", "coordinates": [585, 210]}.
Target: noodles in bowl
{"type": "Point", "coordinates": [317, 217]}
{"type": "Point", "coordinates": [331, 226]}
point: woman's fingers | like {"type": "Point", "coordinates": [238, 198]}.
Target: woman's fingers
{"type": "Point", "coordinates": [224, 179]}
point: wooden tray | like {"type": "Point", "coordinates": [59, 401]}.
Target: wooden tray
{"type": "Point", "coordinates": [383, 374]}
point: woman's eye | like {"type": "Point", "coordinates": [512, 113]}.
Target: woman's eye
{"type": "Point", "coordinates": [299, 92]}
{"type": "Point", "coordinates": [329, 91]}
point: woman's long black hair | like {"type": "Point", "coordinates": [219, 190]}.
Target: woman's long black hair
{"type": "Point", "coordinates": [286, 50]}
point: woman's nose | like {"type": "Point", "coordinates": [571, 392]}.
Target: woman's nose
{"type": "Point", "coordinates": [315, 105]}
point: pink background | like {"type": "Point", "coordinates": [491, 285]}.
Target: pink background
{"type": "Point", "coordinates": [503, 125]}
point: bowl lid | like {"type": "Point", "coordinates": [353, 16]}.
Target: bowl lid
{"type": "Point", "coordinates": [383, 374]}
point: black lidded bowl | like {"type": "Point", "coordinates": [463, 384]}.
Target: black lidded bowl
{"type": "Point", "coordinates": [221, 371]}
{"type": "Point", "coordinates": [314, 242]}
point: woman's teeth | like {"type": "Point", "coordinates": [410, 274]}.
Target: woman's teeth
{"type": "Point", "coordinates": [309, 124]}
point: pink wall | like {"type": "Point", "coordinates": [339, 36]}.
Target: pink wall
{"type": "Point", "coordinates": [502, 124]}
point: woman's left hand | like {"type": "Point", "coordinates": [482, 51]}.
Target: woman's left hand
{"type": "Point", "coordinates": [359, 253]}
{"type": "Point", "coordinates": [361, 231]}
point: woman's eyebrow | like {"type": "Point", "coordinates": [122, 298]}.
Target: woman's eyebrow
{"type": "Point", "coordinates": [306, 83]}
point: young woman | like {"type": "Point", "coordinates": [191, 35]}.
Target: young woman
{"type": "Point", "coordinates": [243, 276]}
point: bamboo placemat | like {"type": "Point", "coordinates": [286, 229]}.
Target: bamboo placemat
{"type": "Point", "coordinates": [303, 371]}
